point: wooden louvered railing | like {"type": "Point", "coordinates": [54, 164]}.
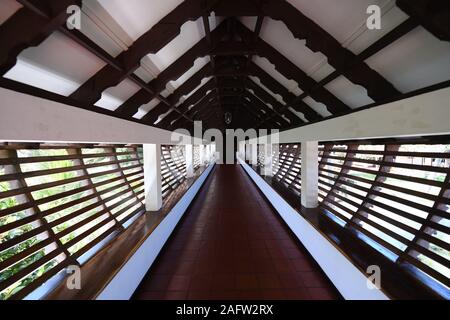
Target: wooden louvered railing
{"type": "Point", "coordinates": [260, 155]}
{"type": "Point", "coordinates": [287, 167]}
{"type": "Point", "coordinates": [59, 204]}
{"type": "Point", "coordinates": [395, 197]}
{"type": "Point", "coordinates": [196, 156]}
{"type": "Point", "coordinates": [173, 168]}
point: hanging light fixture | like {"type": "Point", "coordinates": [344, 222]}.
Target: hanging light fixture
{"type": "Point", "coordinates": [228, 117]}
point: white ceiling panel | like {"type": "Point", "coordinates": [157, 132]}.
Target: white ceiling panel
{"type": "Point", "coordinates": [298, 114]}
{"type": "Point", "coordinates": [165, 93]}
{"type": "Point", "coordinates": [7, 9]}
{"type": "Point", "coordinates": [414, 61]}
{"type": "Point", "coordinates": [249, 22]}
{"type": "Point", "coordinates": [198, 64]}
{"type": "Point", "coordinates": [113, 97]}
{"type": "Point", "coordinates": [60, 56]}
{"type": "Point", "coordinates": [320, 108]}
{"type": "Point", "coordinates": [99, 26]}
{"type": "Point", "coordinates": [280, 37]}
{"type": "Point", "coordinates": [138, 16]}
{"type": "Point", "coordinates": [265, 64]}
{"type": "Point", "coordinates": [191, 33]}
{"type": "Point", "coordinates": [391, 17]}
{"type": "Point", "coordinates": [340, 18]}
{"type": "Point", "coordinates": [278, 97]}
{"type": "Point", "coordinates": [352, 95]}
{"type": "Point", "coordinates": [144, 73]}
{"type": "Point", "coordinates": [34, 75]}
{"type": "Point", "coordinates": [144, 109]}
{"type": "Point", "coordinates": [183, 98]}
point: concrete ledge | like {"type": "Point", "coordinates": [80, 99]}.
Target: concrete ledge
{"type": "Point", "coordinates": [348, 279]}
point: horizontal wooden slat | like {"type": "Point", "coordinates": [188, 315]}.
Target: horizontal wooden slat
{"type": "Point", "coordinates": [37, 173]}
{"type": "Point", "coordinates": [123, 177]}
{"type": "Point", "coordinates": [357, 185]}
{"type": "Point", "coordinates": [22, 160]}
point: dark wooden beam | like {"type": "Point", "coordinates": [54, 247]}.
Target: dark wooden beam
{"type": "Point", "coordinates": [189, 109]}
{"type": "Point", "coordinates": [48, 8]}
{"type": "Point", "coordinates": [433, 15]}
{"type": "Point", "coordinates": [191, 84]}
{"type": "Point", "coordinates": [51, 96]}
{"type": "Point", "coordinates": [232, 48]}
{"type": "Point", "coordinates": [230, 8]}
{"type": "Point", "coordinates": [269, 99]}
{"type": "Point", "coordinates": [182, 90]}
{"type": "Point", "coordinates": [392, 36]}
{"type": "Point", "coordinates": [256, 103]}
{"type": "Point", "coordinates": [206, 99]}
{"type": "Point", "coordinates": [160, 109]}
{"type": "Point", "coordinates": [291, 71]}
{"type": "Point", "coordinates": [258, 115]}
{"type": "Point", "coordinates": [318, 40]}
{"type": "Point", "coordinates": [30, 26]}
{"type": "Point", "coordinates": [174, 71]}
{"type": "Point", "coordinates": [396, 33]}
{"type": "Point", "coordinates": [277, 88]}
{"type": "Point", "coordinates": [150, 42]}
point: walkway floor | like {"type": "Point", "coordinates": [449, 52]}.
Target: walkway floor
{"type": "Point", "coordinates": [232, 245]}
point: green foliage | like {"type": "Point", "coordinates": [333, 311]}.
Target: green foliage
{"type": "Point", "coordinates": [11, 202]}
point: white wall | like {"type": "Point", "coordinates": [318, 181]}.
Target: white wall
{"type": "Point", "coordinates": [348, 279]}
{"type": "Point", "coordinates": [27, 118]}
{"type": "Point", "coordinates": [425, 114]}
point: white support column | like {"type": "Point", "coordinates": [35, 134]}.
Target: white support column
{"type": "Point", "coordinates": [310, 174]}
{"type": "Point", "coordinates": [214, 156]}
{"type": "Point", "coordinates": [248, 153]}
{"type": "Point", "coordinates": [241, 150]}
{"type": "Point", "coordinates": [202, 151]}
{"type": "Point", "coordinates": [254, 154]}
{"type": "Point", "coordinates": [268, 163]}
{"type": "Point", "coordinates": [152, 177]}
{"type": "Point", "coordinates": [189, 160]}
{"type": "Point", "coordinates": [208, 153]}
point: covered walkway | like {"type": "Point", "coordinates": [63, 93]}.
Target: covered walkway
{"type": "Point", "coordinates": [232, 245]}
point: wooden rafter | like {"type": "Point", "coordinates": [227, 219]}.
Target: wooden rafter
{"type": "Point", "coordinates": [291, 71]}
{"type": "Point", "coordinates": [340, 58]}
{"type": "Point", "coordinates": [434, 15]}
{"type": "Point", "coordinates": [30, 26]}
{"type": "Point", "coordinates": [230, 59]}
{"type": "Point", "coordinates": [150, 42]}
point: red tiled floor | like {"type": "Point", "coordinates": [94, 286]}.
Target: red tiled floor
{"type": "Point", "coordinates": [232, 245]}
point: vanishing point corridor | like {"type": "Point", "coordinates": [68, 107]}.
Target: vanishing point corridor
{"type": "Point", "coordinates": [232, 244]}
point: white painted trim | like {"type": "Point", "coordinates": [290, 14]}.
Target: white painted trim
{"type": "Point", "coordinates": [425, 114]}
{"type": "Point", "coordinates": [28, 118]}
{"type": "Point", "coordinates": [123, 285]}
{"type": "Point", "coordinates": [189, 160]}
{"type": "Point", "coordinates": [152, 177]}
{"type": "Point", "coordinates": [348, 279]}
{"type": "Point", "coordinates": [310, 174]}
